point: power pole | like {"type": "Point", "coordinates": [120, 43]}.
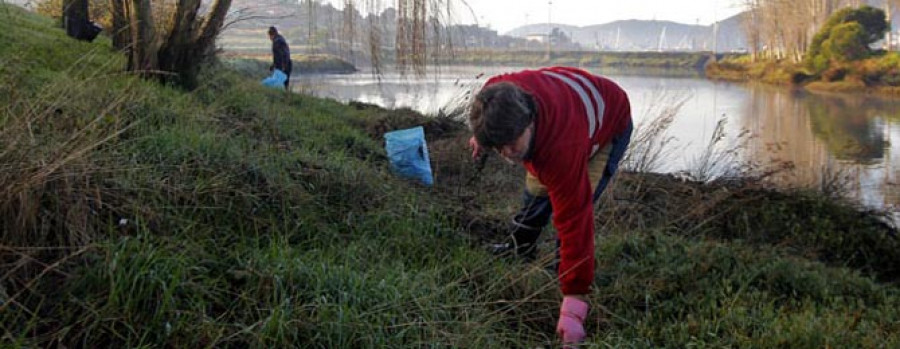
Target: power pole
{"type": "Point", "coordinates": [549, 30]}
{"type": "Point", "coordinates": [715, 29]}
{"type": "Point", "coordinates": [662, 40]}
{"type": "Point", "coordinates": [618, 36]}
{"type": "Point", "coordinates": [715, 37]}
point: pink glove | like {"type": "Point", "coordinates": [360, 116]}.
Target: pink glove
{"type": "Point", "coordinates": [476, 149]}
{"type": "Point", "coordinates": [571, 319]}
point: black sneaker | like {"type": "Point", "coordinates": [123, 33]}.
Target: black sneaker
{"type": "Point", "coordinates": [526, 251]}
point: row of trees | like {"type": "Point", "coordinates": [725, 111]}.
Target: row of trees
{"type": "Point", "coordinates": [785, 29]}
{"type": "Point", "coordinates": [171, 40]}
{"type": "Point", "coordinates": [362, 32]}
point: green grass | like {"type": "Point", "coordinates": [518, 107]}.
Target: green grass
{"type": "Point", "coordinates": [255, 65]}
{"type": "Point", "coordinates": [139, 215]}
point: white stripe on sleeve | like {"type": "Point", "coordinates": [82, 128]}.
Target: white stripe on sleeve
{"type": "Point", "coordinates": [588, 106]}
{"type": "Point", "coordinates": [596, 94]}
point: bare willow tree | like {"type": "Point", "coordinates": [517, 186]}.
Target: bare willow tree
{"type": "Point", "coordinates": [171, 48]}
{"type": "Point", "coordinates": [419, 27]}
{"type": "Point", "coordinates": [410, 33]}
{"type": "Point", "coordinates": [312, 22]}
{"type": "Point", "coordinates": [171, 39]}
{"type": "Point", "coordinates": [349, 27]}
{"type": "Point", "coordinates": [376, 28]}
{"type": "Point", "coordinates": [415, 43]}
{"type": "Point", "coordinates": [750, 23]}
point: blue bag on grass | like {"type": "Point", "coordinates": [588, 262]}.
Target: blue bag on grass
{"type": "Point", "coordinates": [276, 79]}
{"type": "Point", "coordinates": [408, 154]}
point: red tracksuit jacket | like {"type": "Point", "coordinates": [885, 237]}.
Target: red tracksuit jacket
{"type": "Point", "coordinates": [577, 113]}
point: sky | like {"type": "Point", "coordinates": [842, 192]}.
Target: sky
{"type": "Point", "coordinates": [505, 15]}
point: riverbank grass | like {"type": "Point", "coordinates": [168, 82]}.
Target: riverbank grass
{"type": "Point", "coordinates": [139, 215]}
{"type": "Point", "coordinates": [878, 74]}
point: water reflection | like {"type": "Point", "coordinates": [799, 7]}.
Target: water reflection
{"type": "Point", "coordinates": [821, 135]}
{"type": "Point", "coordinates": [850, 126]}
{"type": "Point", "coordinates": [827, 137]}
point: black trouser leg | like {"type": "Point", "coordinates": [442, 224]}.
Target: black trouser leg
{"type": "Point", "coordinates": [525, 228]}
{"type": "Point", "coordinates": [531, 219]}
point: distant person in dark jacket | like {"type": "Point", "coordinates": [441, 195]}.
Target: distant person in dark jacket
{"type": "Point", "coordinates": [281, 54]}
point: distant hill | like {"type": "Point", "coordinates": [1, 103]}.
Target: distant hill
{"type": "Point", "coordinates": [248, 33]}
{"type": "Point", "coordinates": [264, 13]}
{"type": "Point", "coordinates": [648, 35]}
{"type": "Point", "coordinates": [293, 18]}
{"type": "Point", "coordinates": [626, 35]}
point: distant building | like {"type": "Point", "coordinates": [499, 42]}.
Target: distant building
{"type": "Point", "coordinates": [541, 38]}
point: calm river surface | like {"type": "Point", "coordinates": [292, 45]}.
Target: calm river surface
{"type": "Point", "coordinates": [848, 135]}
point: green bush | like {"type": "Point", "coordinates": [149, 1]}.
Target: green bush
{"type": "Point", "coordinates": [846, 36]}
{"type": "Point", "coordinates": [872, 19]}
{"type": "Point", "coordinates": [847, 42]}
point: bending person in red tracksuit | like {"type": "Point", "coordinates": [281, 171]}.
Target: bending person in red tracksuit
{"type": "Point", "coordinates": [569, 129]}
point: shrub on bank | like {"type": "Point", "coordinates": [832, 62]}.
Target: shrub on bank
{"type": "Point", "coordinates": [836, 59]}
{"type": "Point", "coordinates": [878, 74]}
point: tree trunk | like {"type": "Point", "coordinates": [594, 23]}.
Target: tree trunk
{"type": "Point", "coordinates": [190, 45]}
{"type": "Point", "coordinates": [311, 18]}
{"type": "Point", "coordinates": [143, 38]}
{"type": "Point", "coordinates": [120, 28]}
{"type": "Point", "coordinates": [75, 17]}
{"type": "Point", "coordinates": [889, 36]}
{"type": "Point", "coordinates": [213, 24]}
{"type": "Point", "coordinates": [750, 24]}
{"type": "Point", "coordinates": [348, 27]}
{"type": "Point", "coordinates": [178, 57]}
{"type": "Point", "coordinates": [176, 51]}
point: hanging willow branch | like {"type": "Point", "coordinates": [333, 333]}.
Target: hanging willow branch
{"type": "Point", "coordinates": [420, 31]}
{"type": "Point", "coordinates": [349, 26]}
{"type": "Point", "coordinates": [376, 28]}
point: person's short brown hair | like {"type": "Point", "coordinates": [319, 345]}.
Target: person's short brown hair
{"type": "Point", "coordinates": [273, 30]}
{"type": "Point", "coordinates": [500, 114]}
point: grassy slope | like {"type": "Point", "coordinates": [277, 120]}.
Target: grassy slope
{"type": "Point", "coordinates": [305, 64]}
{"type": "Point", "coordinates": [260, 219]}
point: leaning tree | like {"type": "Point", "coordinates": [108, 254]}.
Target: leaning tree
{"type": "Point", "coordinates": [172, 48]}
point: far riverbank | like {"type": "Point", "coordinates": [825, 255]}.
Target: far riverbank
{"type": "Point", "coordinates": [877, 75]}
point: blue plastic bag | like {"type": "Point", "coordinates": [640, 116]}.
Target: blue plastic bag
{"type": "Point", "coordinates": [408, 154]}
{"type": "Point", "coordinates": [276, 80]}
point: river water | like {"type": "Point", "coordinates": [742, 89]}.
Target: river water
{"type": "Point", "coordinates": [842, 138]}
